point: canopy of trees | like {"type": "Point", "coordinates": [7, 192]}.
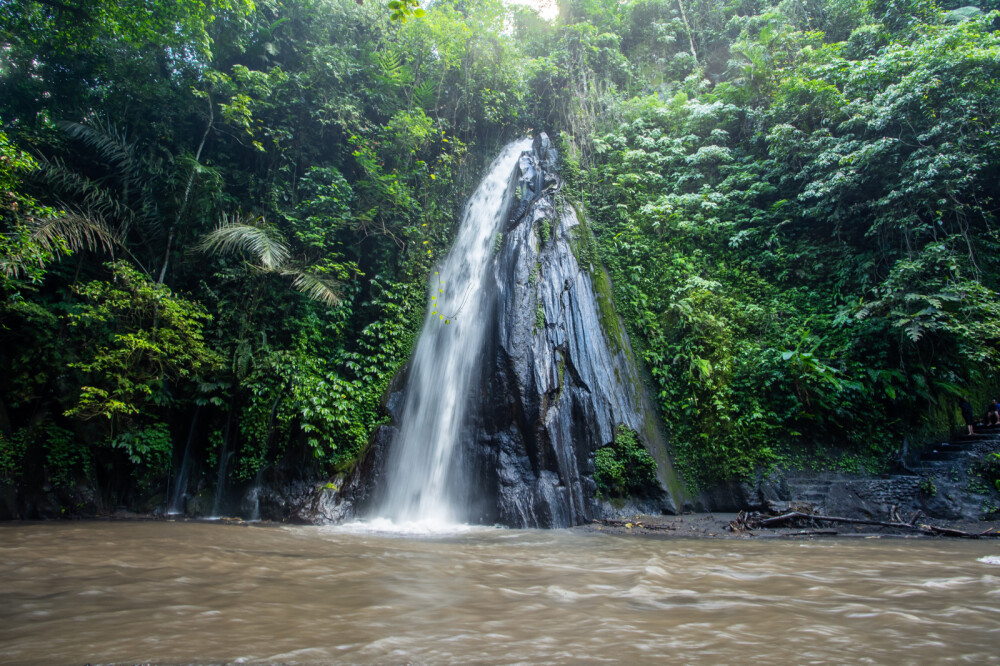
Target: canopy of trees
{"type": "Point", "coordinates": [219, 218]}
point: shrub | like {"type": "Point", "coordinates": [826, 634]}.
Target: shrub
{"type": "Point", "coordinates": [624, 468]}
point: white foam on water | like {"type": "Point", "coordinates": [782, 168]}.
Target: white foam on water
{"type": "Point", "coordinates": [427, 527]}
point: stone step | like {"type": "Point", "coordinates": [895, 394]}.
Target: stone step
{"type": "Point", "coordinates": [814, 494]}
{"type": "Point", "coordinates": [957, 446]}
{"type": "Point", "coordinates": [978, 437]}
{"type": "Point", "coordinates": [800, 490]}
{"type": "Point", "coordinates": [940, 475]}
{"type": "Point", "coordinates": [947, 446]}
{"type": "Point", "coordinates": [936, 466]}
{"type": "Point", "coordinates": [943, 454]}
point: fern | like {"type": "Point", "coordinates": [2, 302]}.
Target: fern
{"type": "Point", "coordinates": [423, 94]}
{"type": "Point", "coordinates": [390, 64]}
{"type": "Point", "coordinates": [242, 358]}
{"type": "Point", "coordinates": [393, 70]}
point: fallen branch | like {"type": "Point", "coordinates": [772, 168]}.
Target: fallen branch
{"type": "Point", "coordinates": [947, 531]}
{"type": "Point", "coordinates": [794, 515]}
{"type": "Point", "coordinates": [912, 526]}
{"type": "Point", "coordinates": [744, 522]}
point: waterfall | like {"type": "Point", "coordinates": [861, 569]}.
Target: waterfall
{"type": "Point", "coordinates": [220, 484]}
{"type": "Point", "coordinates": [521, 374]}
{"type": "Point", "coordinates": [176, 505]}
{"type": "Point", "coordinates": [420, 485]}
{"type": "Point", "coordinates": [251, 502]}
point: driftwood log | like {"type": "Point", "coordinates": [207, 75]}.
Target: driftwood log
{"type": "Point", "coordinates": [913, 525]}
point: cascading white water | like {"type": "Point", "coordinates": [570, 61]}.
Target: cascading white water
{"type": "Point", "coordinates": [419, 487]}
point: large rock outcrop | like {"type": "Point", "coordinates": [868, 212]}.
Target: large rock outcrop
{"type": "Point", "coordinates": [560, 377]}
{"type": "Point", "coordinates": [557, 381]}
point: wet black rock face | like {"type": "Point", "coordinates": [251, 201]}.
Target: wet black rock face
{"type": "Point", "coordinates": [555, 383]}
{"type": "Point", "coordinates": [560, 377]}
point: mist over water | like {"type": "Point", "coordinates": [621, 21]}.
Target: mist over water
{"type": "Point", "coordinates": [189, 592]}
{"type": "Point", "coordinates": [421, 489]}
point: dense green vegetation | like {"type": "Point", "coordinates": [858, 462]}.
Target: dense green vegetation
{"type": "Point", "coordinates": [218, 222]}
{"type": "Point", "coordinates": [803, 238]}
{"type": "Point", "coordinates": [624, 468]}
{"type": "Point", "coordinates": [218, 218]}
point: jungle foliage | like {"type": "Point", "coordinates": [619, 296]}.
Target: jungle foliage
{"type": "Point", "coordinates": [801, 233]}
{"type": "Point", "coordinates": [624, 468]}
{"type": "Point", "coordinates": [218, 223]}
{"type": "Point", "coordinates": [219, 218]}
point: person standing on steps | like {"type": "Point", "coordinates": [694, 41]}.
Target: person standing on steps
{"type": "Point", "coordinates": [967, 414]}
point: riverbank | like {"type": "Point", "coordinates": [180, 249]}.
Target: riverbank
{"type": "Point", "coordinates": [721, 526]}
{"type": "Point", "coordinates": [709, 526]}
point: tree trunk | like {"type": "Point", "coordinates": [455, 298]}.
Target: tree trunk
{"type": "Point", "coordinates": [687, 27]}
{"type": "Point", "coordinates": [187, 194]}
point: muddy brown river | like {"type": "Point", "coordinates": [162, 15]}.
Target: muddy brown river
{"type": "Point", "coordinates": [192, 592]}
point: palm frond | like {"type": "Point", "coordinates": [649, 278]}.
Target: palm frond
{"type": "Point", "coordinates": [62, 234]}
{"type": "Point", "coordinates": [77, 230]}
{"type": "Point", "coordinates": [108, 142]}
{"type": "Point", "coordinates": [148, 219]}
{"type": "Point", "coordinates": [264, 244]}
{"type": "Point", "coordinates": [321, 288]}
{"type": "Point", "coordinates": [91, 194]}
{"type": "Point", "coordinates": [138, 174]}
{"type": "Point", "coordinates": [207, 175]}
